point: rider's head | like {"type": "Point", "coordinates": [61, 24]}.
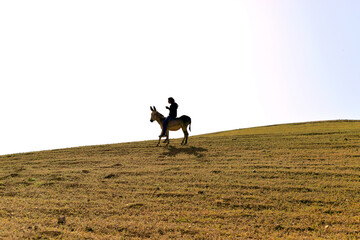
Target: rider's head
{"type": "Point", "coordinates": [171, 100]}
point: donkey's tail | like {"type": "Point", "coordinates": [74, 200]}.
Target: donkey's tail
{"type": "Point", "coordinates": [189, 124]}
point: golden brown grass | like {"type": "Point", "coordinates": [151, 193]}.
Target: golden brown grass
{"type": "Point", "coordinates": [294, 181]}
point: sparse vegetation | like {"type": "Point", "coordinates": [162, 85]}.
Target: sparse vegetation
{"type": "Point", "coordinates": [294, 181]}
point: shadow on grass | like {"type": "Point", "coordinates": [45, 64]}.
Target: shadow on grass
{"type": "Point", "coordinates": [196, 151]}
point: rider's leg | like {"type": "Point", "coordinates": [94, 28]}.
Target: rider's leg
{"type": "Point", "coordinates": [165, 124]}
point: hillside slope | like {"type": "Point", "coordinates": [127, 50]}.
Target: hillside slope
{"type": "Point", "coordinates": [299, 181]}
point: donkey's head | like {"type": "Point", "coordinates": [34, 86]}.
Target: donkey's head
{"type": "Point", "coordinates": [153, 113]}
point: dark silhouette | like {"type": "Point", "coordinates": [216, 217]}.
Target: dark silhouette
{"type": "Point", "coordinates": [173, 125]}
{"type": "Point", "coordinates": [172, 115]}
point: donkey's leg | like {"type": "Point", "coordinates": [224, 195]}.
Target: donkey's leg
{"type": "Point", "coordinates": [183, 129]}
{"type": "Point", "coordinates": [158, 144]}
{"type": "Point", "coordinates": [182, 142]}
{"type": "Point", "coordinates": [186, 134]}
{"type": "Point", "coordinates": [186, 137]}
{"type": "Point", "coordinates": [167, 138]}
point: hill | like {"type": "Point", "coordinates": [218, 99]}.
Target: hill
{"type": "Point", "coordinates": [291, 181]}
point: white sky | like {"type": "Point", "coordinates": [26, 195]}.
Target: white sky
{"type": "Point", "coordinates": [76, 73]}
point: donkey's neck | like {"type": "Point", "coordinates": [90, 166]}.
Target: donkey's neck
{"type": "Point", "coordinates": [160, 120]}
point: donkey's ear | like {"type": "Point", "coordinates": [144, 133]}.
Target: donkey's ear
{"type": "Point", "coordinates": [151, 108]}
{"type": "Point", "coordinates": [154, 108]}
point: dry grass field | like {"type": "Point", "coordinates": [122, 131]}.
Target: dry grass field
{"type": "Point", "coordinates": [291, 181]}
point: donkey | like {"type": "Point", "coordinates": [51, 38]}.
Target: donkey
{"type": "Point", "coordinates": [174, 125]}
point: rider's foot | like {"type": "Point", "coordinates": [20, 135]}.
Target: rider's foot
{"type": "Point", "coordinates": [162, 135]}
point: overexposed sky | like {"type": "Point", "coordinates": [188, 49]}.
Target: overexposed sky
{"type": "Point", "coordinates": [76, 73]}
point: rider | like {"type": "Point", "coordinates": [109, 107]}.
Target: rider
{"type": "Point", "coordinates": [172, 115]}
